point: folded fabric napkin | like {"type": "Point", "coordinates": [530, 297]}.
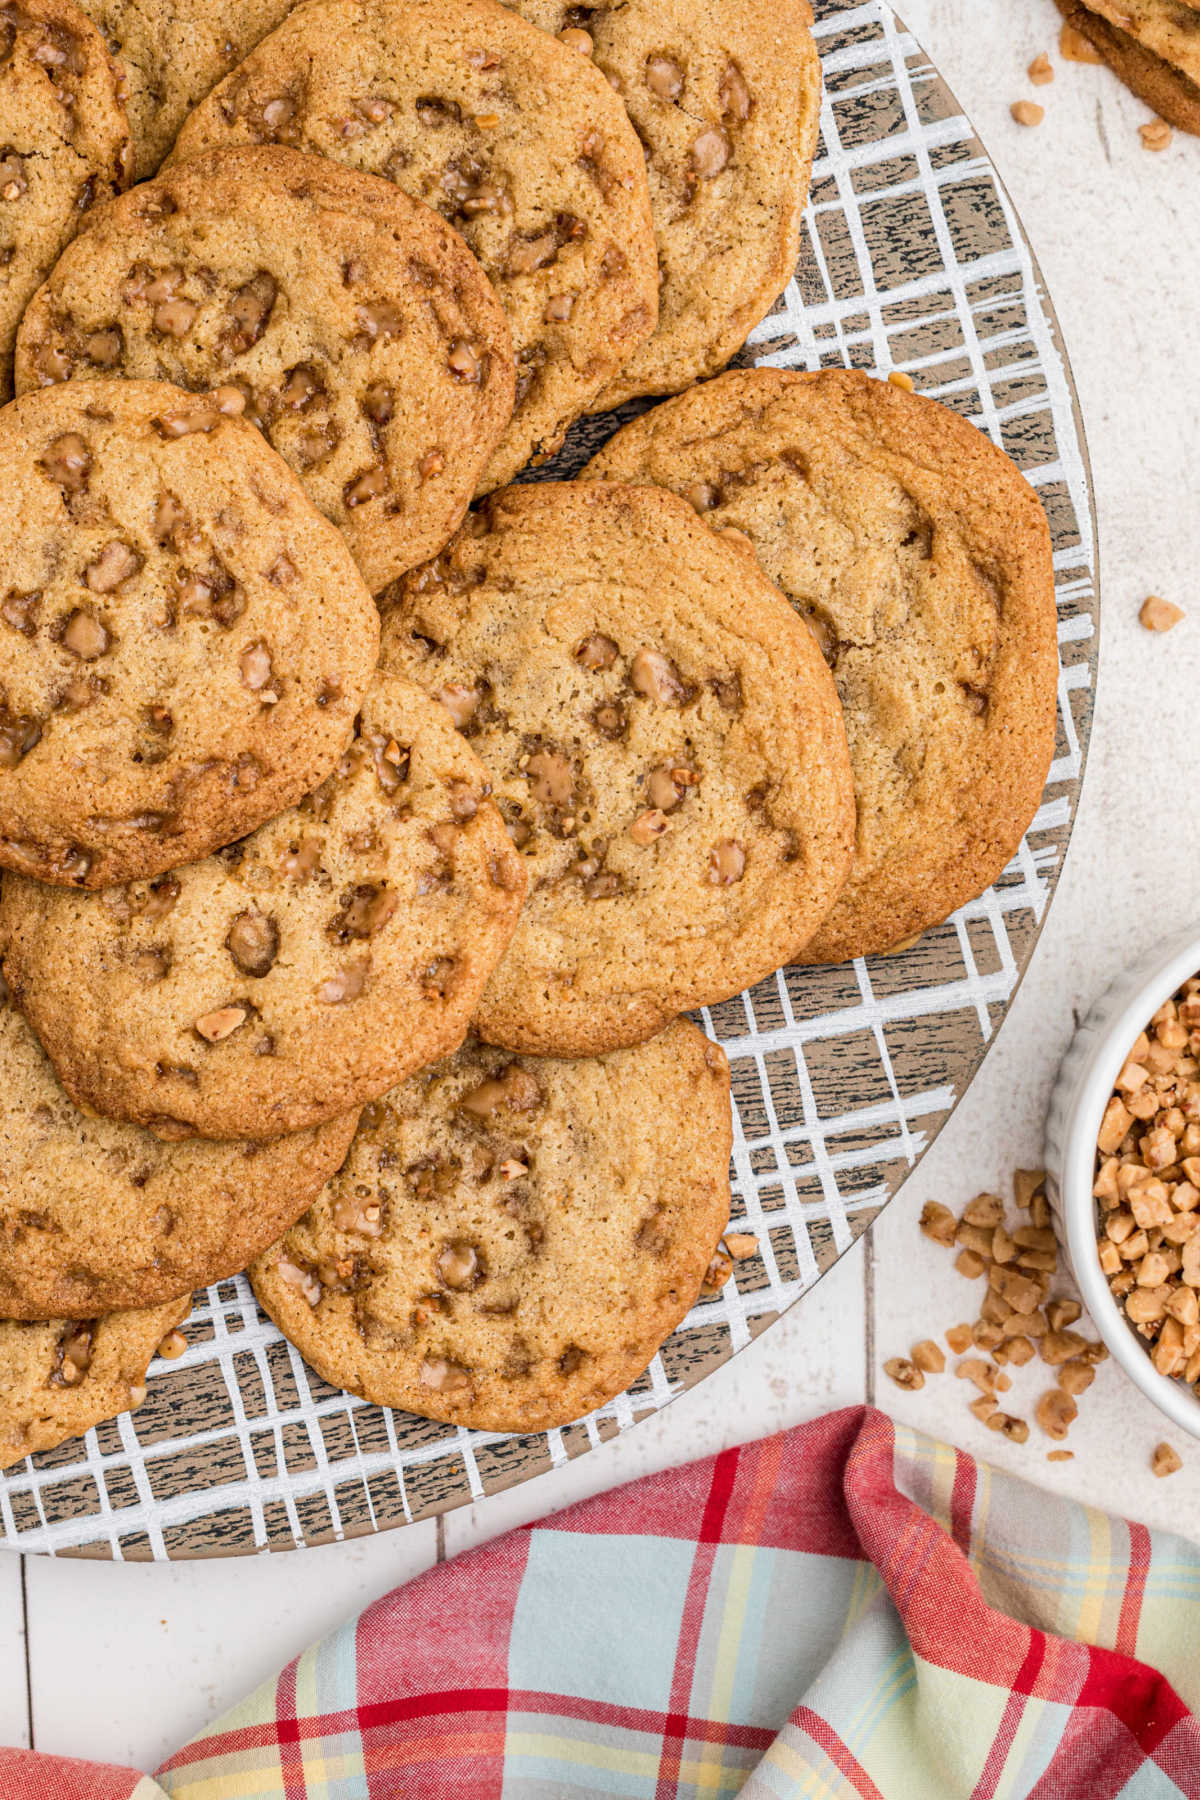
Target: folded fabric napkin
{"type": "Point", "coordinates": [848, 1609]}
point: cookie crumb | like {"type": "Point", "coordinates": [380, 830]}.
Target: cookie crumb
{"type": "Point", "coordinates": [1165, 1461]}
{"type": "Point", "coordinates": [1158, 614]}
{"type": "Point", "coordinates": [1040, 71]}
{"type": "Point", "coordinates": [1027, 112]}
{"type": "Point", "coordinates": [1156, 135]}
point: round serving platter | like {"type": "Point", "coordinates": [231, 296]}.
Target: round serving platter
{"type": "Point", "coordinates": [913, 259]}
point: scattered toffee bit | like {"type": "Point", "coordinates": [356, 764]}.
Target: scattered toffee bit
{"type": "Point", "coordinates": [1020, 1318]}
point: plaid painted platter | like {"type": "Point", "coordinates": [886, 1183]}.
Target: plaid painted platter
{"type": "Point", "coordinates": [913, 259]}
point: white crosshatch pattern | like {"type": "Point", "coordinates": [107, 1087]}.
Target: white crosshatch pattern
{"type": "Point", "coordinates": [239, 1445]}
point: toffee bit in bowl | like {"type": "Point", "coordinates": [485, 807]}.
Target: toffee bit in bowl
{"type": "Point", "coordinates": [1147, 1186]}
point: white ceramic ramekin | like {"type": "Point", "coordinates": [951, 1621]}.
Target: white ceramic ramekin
{"type": "Point", "coordinates": [1085, 1081]}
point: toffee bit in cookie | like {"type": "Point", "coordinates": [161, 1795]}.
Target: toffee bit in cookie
{"type": "Point", "coordinates": [299, 1277]}
{"type": "Point", "coordinates": [347, 985]}
{"type": "Point", "coordinates": [515, 1088]}
{"type": "Point", "coordinates": [459, 1266]}
{"type": "Point", "coordinates": [649, 826]}
{"type": "Point", "coordinates": [710, 152]}
{"type": "Point", "coordinates": [460, 702]}
{"type": "Point", "coordinates": [68, 461]}
{"type": "Point", "coordinates": [86, 636]}
{"type": "Point", "coordinates": [726, 862]}
{"type": "Point", "coordinates": [1160, 615]}
{"type": "Point", "coordinates": [596, 651]}
{"type": "Point", "coordinates": [116, 563]}
{"type": "Point", "coordinates": [444, 1377]}
{"type": "Point", "coordinates": [1075, 47]}
{"type": "Point", "coordinates": [216, 1026]}
{"type": "Point", "coordinates": [253, 942]}
{"type": "Point", "coordinates": [656, 676]}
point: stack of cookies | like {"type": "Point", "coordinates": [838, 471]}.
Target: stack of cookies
{"type": "Point", "coordinates": [1153, 45]}
{"type": "Point", "coordinates": [369, 824]}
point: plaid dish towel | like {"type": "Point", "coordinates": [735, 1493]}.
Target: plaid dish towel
{"type": "Point", "coordinates": [848, 1609]}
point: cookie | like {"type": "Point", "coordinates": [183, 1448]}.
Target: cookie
{"type": "Point", "coordinates": [64, 144]}
{"type": "Point", "coordinates": [184, 641]}
{"type": "Point", "coordinates": [1153, 46]}
{"type": "Point", "coordinates": [726, 101]}
{"type": "Point", "coordinates": [920, 557]}
{"type": "Point", "coordinates": [510, 1241]}
{"type": "Point", "coordinates": [515, 138]}
{"type": "Point", "coordinates": [296, 974]}
{"type": "Point", "coordinates": [664, 741]}
{"type": "Point", "coordinates": [355, 326]}
{"type": "Point", "coordinates": [59, 1377]}
{"type": "Point", "coordinates": [96, 1216]}
{"type": "Point", "coordinates": [173, 53]}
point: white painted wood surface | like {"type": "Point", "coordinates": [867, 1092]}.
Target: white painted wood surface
{"type": "Point", "coordinates": [1117, 231]}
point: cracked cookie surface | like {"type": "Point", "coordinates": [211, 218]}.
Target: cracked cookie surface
{"type": "Point", "coordinates": [96, 1215]}
{"type": "Point", "coordinates": [59, 1377]}
{"type": "Point", "coordinates": [920, 557]}
{"type": "Point", "coordinates": [185, 640]}
{"type": "Point", "coordinates": [1152, 45]}
{"type": "Point", "coordinates": [514, 138]}
{"type": "Point", "coordinates": [511, 1240]}
{"type": "Point", "coordinates": [726, 101]}
{"type": "Point", "coordinates": [64, 144]}
{"type": "Point", "coordinates": [664, 741]}
{"type": "Point", "coordinates": [356, 327]}
{"type": "Point", "coordinates": [296, 974]}
{"type": "Point", "coordinates": [173, 53]}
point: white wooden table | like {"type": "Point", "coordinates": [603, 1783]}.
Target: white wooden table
{"type": "Point", "coordinates": [125, 1662]}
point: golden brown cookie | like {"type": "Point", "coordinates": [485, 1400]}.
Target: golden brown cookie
{"type": "Point", "coordinates": [1153, 46]}
{"type": "Point", "coordinates": [184, 641]}
{"type": "Point", "coordinates": [359, 331]}
{"type": "Point", "coordinates": [173, 53]}
{"type": "Point", "coordinates": [96, 1216]}
{"type": "Point", "coordinates": [726, 100]}
{"type": "Point", "coordinates": [663, 738]}
{"type": "Point", "coordinates": [920, 558]}
{"type": "Point", "coordinates": [513, 137]}
{"type": "Point", "coordinates": [297, 974]}
{"type": "Point", "coordinates": [59, 1377]}
{"type": "Point", "coordinates": [511, 1240]}
{"type": "Point", "coordinates": [64, 144]}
